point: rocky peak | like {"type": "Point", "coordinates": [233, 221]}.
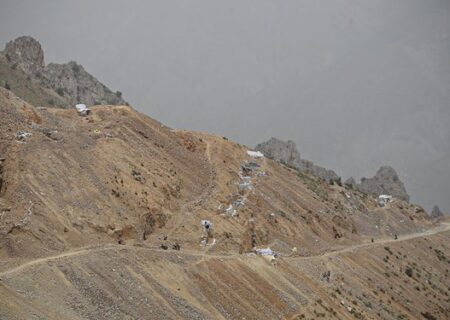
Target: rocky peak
{"type": "Point", "coordinates": [25, 53]}
{"type": "Point", "coordinates": [69, 83]}
{"type": "Point", "coordinates": [385, 181]}
{"type": "Point", "coordinates": [287, 153]}
{"type": "Point", "coordinates": [387, 173]}
{"type": "Point", "coordinates": [276, 149]}
{"type": "Point", "coordinates": [350, 182]}
{"type": "Point", "coordinates": [436, 212]}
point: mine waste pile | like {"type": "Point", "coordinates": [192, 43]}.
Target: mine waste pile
{"type": "Point", "coordinates": [106, 213]}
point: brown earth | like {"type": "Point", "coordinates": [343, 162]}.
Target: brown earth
{"type": "Point", "coordinates": [88, 206]}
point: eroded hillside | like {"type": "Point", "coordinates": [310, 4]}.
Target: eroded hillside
{"type": "Point", "coordinates": [101, 218]}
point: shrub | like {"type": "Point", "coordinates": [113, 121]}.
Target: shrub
{"type": "Point", "coordinates": [60, 91]}
{"type": "Point", "coordinates": [428, 316]}
{"type": "Point", "coordinates": [7, 87]}
{"type": "Point", "coordinates": [75, 68]}
{"type": "Point", "coordinates": [409, 271]}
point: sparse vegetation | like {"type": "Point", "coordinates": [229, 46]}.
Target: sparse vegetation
{"type": "Point", "coordinates": [60, 91]}
{"type": "Point", "coordinates": [75, 68]}
{"type": "Point", "coordinates": [409, 271]}
{"type": "Point", "coordinates": [337, 181]}
{"type": "Point", "coordinates": [428, 316]}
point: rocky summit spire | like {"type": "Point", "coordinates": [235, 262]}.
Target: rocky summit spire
{"type": "Point", "coordinates": [436, 212]}
{"type": "Point", "coordinates": [385, 181]}
{"type": "Point", "coordinates": [62, 85]}
{"type": "Point", "coordinates": [25, 53]}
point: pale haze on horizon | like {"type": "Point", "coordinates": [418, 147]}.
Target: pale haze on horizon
{"type": "Point", "coordinates": [356, 84]}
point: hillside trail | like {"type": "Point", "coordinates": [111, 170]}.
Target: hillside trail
{"type": "Point", "coordinates": [188, 207]}
{"type": "Point", "coordinates": [443, 227]}
{"type": "Point", "coordinates": [87, 250]}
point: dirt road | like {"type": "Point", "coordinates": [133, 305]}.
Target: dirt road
{"type": "Point", "coordinates": [88, 250]}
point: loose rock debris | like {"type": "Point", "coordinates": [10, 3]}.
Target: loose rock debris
{"type": "Point", "coordinates": [24, 221]}
{"type": "Point", "coordinates": [245, 185]}
{"type": "Point", "coordinates": [22, 135]}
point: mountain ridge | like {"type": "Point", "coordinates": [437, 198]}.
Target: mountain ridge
{"type": "Point", "coordinates": [105, 215]}
{"type": "Point", "coordinates": [105, 212]}
{"type": "Point", "coordinates": [68, 83]}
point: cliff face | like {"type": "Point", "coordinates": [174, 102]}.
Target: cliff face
{"type": "Point", "coordinates": [69, 83]}
{"type": "Point", "coordinates": [385, 181]}
{"type": "Point", "coordinates": [287, 153]}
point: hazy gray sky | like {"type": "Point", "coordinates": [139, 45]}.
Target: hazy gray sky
{"type": "Point", "coordinates": [356, 84]}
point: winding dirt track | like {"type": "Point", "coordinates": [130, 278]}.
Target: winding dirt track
{"type": "Point", "coordinates": [88, 250]}
{"type": "Point", "coordinates": [441, 228]}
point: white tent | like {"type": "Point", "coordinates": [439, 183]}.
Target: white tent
{"type": "Point", "coordinates": [82, 109]}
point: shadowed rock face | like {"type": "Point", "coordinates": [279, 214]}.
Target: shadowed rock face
{"type": "Point", "coordinates": [287, 153]}
{"type": "Point", "coordinates": [25, 53]}
{"type": "Point", "coordinates": [385, 181]}
{"type": "Point", "coordinates": [69, 82]}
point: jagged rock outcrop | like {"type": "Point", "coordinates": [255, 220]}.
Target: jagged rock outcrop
{"type": "Point", "coordinates": [69, 82]}
{"type": "Point", "coordinates": [436, 213]}
{"type": "Point", "coordinates": [25, 53]}
{"type": "Point", "coordinates": [283, 151]}
{"type": "Point", "coordinates": [385, 181]}
{"type": "Point", "coordinates": [350, 182]}
{"type": "Point", "coordinates": [287, 153]}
